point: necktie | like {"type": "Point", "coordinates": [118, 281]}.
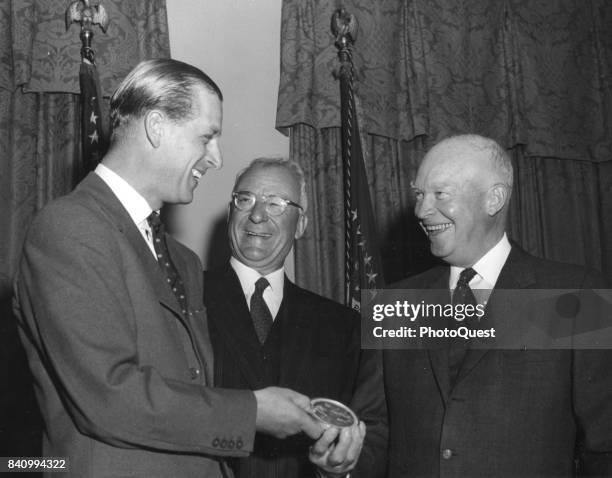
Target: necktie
{"type": "Point", "coordinates": [458, 346]}
{"type": "Point", "coordinates": [163, 258]}
{"type": "Point", "coordinates": [262, 318]}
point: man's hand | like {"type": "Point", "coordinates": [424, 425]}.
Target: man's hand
{"type": "Point", "coordinates": [281, 412]}
{"type": "Point", "coordinates": [336, 458]}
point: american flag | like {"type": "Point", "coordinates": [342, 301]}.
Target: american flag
{"type": "Point", "coordinates": [366, 264]}
{"type": "Point", "coordinates": [93, 138]}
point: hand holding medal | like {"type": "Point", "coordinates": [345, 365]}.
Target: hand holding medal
{"type": "Point", "coordinates": [336, 452]}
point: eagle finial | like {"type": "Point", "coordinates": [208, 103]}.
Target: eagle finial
{"type": "Point", "coordinates": [80, 11]}
{"type": "Point", "coordinates": [344, 26]}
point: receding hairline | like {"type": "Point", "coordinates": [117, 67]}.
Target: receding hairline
{"type": "Point", "coordinates": [283, 162]}
{"type": "Point", "coordinates": [477, 146]}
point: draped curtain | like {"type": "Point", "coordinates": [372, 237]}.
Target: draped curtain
{"type": "Point", "coordinates": [535, 76]}
{"type": "Point", "coordinates": [40, 146]}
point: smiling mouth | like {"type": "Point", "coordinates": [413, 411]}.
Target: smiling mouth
{"type": "Point", "coordinates": [257, 234]}
{"type": "Point", "coordinates": [435, 229]}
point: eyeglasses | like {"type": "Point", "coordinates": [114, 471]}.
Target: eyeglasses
{"type": "Point", "coordinates": [275, 205]}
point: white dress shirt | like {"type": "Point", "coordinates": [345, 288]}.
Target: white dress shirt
{"type": "Point", "coordinates": [272, 295]}
{"type": "Point", "coordinates": [487, 268]}
{"type": "Point", "coordinates": [137, 206]}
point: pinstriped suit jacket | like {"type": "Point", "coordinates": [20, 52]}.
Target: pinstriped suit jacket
{"type": "Point", "coordinates": [320, 356]}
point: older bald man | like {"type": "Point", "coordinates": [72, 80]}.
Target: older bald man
{"type": "Point", "coordinates": [467, 412]}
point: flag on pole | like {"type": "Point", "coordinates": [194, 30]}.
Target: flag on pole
{"type": "Point", "coordinates": [93, 138]}
{"type": "Point", "coordinates": [366, 267]}
{"type": "Point", "coordinates": [362, 260]}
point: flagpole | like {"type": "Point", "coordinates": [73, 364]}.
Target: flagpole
{"type": "Point", "coordinates": [93, 137]}
{"type": "Point", "coordinates": [362, 258]}
{"type": "Point", "coordinates": [344, 27]}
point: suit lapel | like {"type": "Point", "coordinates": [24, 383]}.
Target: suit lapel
{"type": "Point", "coordinates": [438, 356]}
{"type": "Point", "coordinates": [298, 322]}
{"type": "Point", "coordinates": [230, 314]}
{"type": "Point", "coordinates": [515, 274]}
{"type": "Point", "coordinates": [162, 289]}
{"type": "Point", "coordinates": [118, 215]}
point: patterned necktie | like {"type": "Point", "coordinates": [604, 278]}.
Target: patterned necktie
{"type": "Point", "coordinates": [458, 346]}
{"type": "Point", "coordinates": [163, 258]}
{"type": "Point", "coordinates": [262, 318]}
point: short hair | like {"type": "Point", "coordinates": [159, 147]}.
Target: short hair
{"type": "Point", "coordinates": [498, 156]}
{"type": "Point", "coordinates": [161, 83]}
{"type": "Point", "coordinates": [292, 166]}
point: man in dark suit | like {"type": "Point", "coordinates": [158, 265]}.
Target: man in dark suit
{"type": "Point", "coordinates": [110, 307]}
{"type": "Point", "coordinates": [302, 341]}
{"type": "Point", "coordinates": [491, 413]}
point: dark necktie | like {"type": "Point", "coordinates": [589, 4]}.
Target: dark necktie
{"type": "Point", "coordinates": [458, 346]}
{"type": "Point", "coordinates": [163, 258]}
{"type": "Point", "coordinates": [262, 318]}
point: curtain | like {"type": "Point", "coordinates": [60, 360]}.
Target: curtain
{"type": "Point", "coordinates": [320, 252]}
{"type": "Point", "coordinates": [40, 148]}
{"type": "Point", "coordinates": [39, 87]}
{"type": "Point", "coordinates": [560, 210]}
{"type": "Point", "coordinates": [535, 76]}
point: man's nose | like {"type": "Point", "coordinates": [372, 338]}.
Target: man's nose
{"type": "Point", "coordinates": [423, 207]}
{"type": "Point", "coordinates": [258, 213]}
{"type": "Point", "coordinates": [214, 158]}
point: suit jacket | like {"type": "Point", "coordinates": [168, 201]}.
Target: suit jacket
{"type": "Point", "coordinates": [510, 413]}
{"type": "Point", "coordinates": [121, 376]}
{"type": "Point", "coordinates": [319, 356]}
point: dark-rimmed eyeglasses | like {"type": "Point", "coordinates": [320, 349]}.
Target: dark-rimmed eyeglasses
{"type": "Point", "coordinates": [275, 205]}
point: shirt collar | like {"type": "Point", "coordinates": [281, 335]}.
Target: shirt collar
{"type": "Point", "coordinates": [488, 267]}
{"type": "Point", "coordinates": [248, 277]}
{"type": "Point", "coordinates": [137, 206]}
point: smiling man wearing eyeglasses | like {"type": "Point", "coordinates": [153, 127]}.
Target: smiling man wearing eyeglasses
{"type": "Point", "coordinates": [266, 216]}
{"type": "Point", "coordinates": [266, 331]}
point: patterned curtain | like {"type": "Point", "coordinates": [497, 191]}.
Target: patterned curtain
{"type": "Point", "coordinates": [535, 76]}
{"type": "Point", "coordinates": [320, 252]}
{"type": "Point", "coordinates": [40, 146]}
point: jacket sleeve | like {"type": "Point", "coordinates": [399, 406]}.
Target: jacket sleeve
{"type": "Point", "coordinates": [370, 405]}
{"type": "Point", "coordinates": [592, 375]}
{"type": "Point", "coordinates": [77, 314]}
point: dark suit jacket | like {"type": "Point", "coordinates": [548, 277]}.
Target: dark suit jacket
{"type": "Point", "coordinates": [320, 356]}
{"type": "Point", "coordinates": [118, 391]}
{"type": "Point", "coordinates": [511, 413]}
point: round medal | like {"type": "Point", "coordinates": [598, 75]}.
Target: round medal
{"type": "Point", "coordinates": [332, 413]}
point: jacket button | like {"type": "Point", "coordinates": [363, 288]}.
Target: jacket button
{"type": "Point", "coordinates": [447, 453]}
{"type": "Point", "coordinates": [194, 373]}
{"type": "Point", "coordinates": [215, 442]}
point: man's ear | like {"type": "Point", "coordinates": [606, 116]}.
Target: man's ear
{"type": "Point", "coordinates": [497, 197]}
{"type": "Point", "coordinates": [301, 226]}
{"type": "Point", "coordinates": [154, 127]}
{"type": "Point", "coordinates": [229, 212]}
